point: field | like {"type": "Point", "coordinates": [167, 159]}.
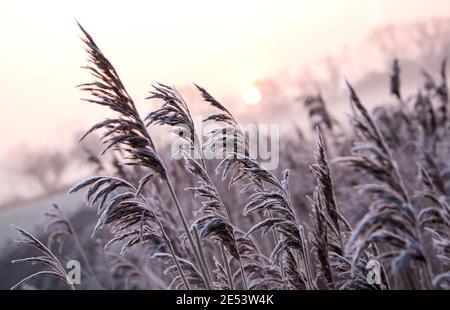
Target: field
{"type": "Point", "coordinates": [360, 206]}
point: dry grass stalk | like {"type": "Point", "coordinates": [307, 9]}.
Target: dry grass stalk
{"type": "Point", "coordinates": [48, 259]}
{"type": "Point", "coordinates": [392, 219]}
{"type": "Point", "coordinates": [408, 234]}
{"type": "Point", "coordinates": [61, 227]}
{"type": "Point", "coordinates": [318, 113]}
{"type": "Point", "coordinates": [395, 80]}
{"type": "Point", "coordinates": [274, 199]}
{"type": "Point", "coordinates": [128, 134]}
{"type": "Point", "coordinates": [131, 273]}
{"type": "Point", "coordinates": [327, 233]}
{"type": "Point", "coordinates": [214, 221]}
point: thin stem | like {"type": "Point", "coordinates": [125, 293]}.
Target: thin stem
{"type": "Point", "coordinates": [179, 209]}
{"type": "Point", "coordinates": [227, 214]}
{"type": "Point", "coordinates": [206, 273]}
{"type": "Point", "coordinates": [108, 269]}
{"type": "Point", "coordinates": [81, 250]}
{"type": "Point", "coordinates": [306, 257]}
{"type": "Point", "coordinates": [227, 267]}
{"type": "Point", "coordinates": [184, 221]}
{"type": "Point", "coordinates": [178, 206]}
{"type": "Point", "coordinates": [244, 279]}
{"type": "Point", "coordinates": [274, 233]}
{"type": "Point", "coordinates": [169, 243]}
{"type": "Point", "coordinates": [177, 262]}
{"type": "Point", "coordinates": [384, 274]}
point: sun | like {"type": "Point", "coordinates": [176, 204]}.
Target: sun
{"type": "Point", "coordinates": [252, 96]}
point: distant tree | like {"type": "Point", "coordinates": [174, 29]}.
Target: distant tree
{"type": "Point", "coordinates": [46, 168]}
{"type": "Point", "coordinates": [422, 41]}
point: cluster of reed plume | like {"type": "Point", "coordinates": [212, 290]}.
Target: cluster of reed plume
{"type": "Point", "coordinates": [406, 228]}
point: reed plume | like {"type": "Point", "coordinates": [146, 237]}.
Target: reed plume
{"type": "Point", "coordinates": [127, 134]}
{"type": "Point", "coordinates": [397, 157]}
{"type": "Point", "coordinates": [392, 218]}
{"type": "Point", "coordinates": [275, 200]}
{"type": "Point", "coordinates": [318, 112]}
{"type": "Point", "coordinates": [214, 220]}
{"type": "Point", "coordinates": [60, 227]}
{"type": "Point", "coordinates": [395, 80]}
{"type": "Point", "coordinates": [48, 259]}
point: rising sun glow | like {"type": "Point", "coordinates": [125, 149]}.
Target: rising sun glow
{"type": "Point", "coordinates": [252, 96]}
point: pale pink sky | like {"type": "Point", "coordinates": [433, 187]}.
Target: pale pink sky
{"type": "Point", "coordinates": [225, 46]}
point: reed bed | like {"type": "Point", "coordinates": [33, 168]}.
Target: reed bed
{"type": "Point", "coordinates": [197, 223]}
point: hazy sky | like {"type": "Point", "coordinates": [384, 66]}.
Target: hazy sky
{"type": "Point", "coordinates": [223, 45]}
